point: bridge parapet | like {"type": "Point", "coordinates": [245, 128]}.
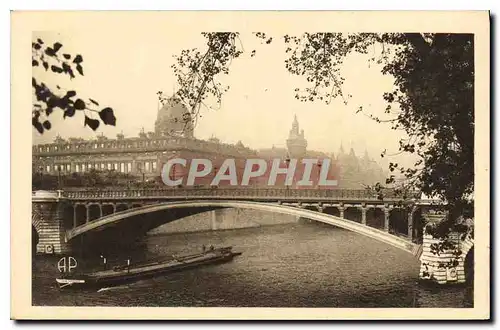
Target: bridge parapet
{"type": "Point", "coordinates": [234, 193]}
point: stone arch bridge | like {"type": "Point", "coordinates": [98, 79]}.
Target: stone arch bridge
{"type": "Point", "coordinates": [62, 218]}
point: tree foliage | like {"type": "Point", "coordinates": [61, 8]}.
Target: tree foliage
{"type": "Point", "coordinates": [54, 60]}
{"type": "Point", "coordinates": [432, 100]}
{"type": "Point", "coordinates": [92, 178]}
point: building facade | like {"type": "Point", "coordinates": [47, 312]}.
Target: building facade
{"type": "Point", "coordinates": [143, 156]}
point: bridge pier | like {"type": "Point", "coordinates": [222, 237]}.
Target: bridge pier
{"type": "Point", "coordinates": [386, 218]}
{"type": "Point", "coordinates": [47, 217]}
{"type": "Point", "coordinates": [410, 222]}
{"type": "Point", "coordinates": [363, 214]}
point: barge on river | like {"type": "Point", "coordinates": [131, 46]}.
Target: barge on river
{"type": "Point", "coordinates": [130, 273]}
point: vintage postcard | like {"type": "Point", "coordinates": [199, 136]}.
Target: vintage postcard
{"type": "Point", "coordinates": [250, 165]}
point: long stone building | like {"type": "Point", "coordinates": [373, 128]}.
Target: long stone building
{"type": "Point", "coordinates": [173, 136]}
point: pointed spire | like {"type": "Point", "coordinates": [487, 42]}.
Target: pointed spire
{"type": "Point", "coordinates": [295, 124]}
{"type": "Point", "coordinates": [341, 147]}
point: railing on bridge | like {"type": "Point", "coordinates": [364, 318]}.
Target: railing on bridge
{"type": "Point", "coordinates": [232, 193]}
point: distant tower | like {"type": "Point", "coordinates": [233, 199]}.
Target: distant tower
{"type": "Point", "coordinates": [174, 119]}
{"type": "Point", "coordinates": [296, 143]}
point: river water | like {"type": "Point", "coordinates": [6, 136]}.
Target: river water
{"type": "Point", "coordinates": [292, 265]}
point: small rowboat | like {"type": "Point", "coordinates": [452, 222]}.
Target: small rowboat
{"type": "Point", "coordinates": [126, 274]}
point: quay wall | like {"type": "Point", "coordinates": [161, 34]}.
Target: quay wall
{"type": "Point", "coordinates": [224, 219]}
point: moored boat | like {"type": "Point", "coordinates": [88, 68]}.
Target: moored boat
{"type": "Point", "coordinates": [130, 273]}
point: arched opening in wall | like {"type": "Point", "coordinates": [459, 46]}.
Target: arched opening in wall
{"type": "Point", "coordinates": [94, 212]}
{"type": "Point", "coordinates": [134, 206]}
{"type": "Point", "coordinates": [68, 215]}
{"type": "Point", "coordinates": [107, 209]}
{"type": "Point", "coordinates": [35, 238]}
{"type": "Point", "coordinates": [331, 210]}
{"type": "Point", "coordinates": [121, 207]}
{"type": "Point", "coordinates": [375, 218]}
{"type": "Point", "coordinates": [469, 278]}
{"type": "Point", "coordinates": [469, 266]}
{"type": "Point", "coordinates": [418, 226]}
{"type": "Point", "coordinates": [81, 214]}
{"type": "Point", "coordinates": [353, 214]}
{"type": "Point", "coordinates": [398, 221]}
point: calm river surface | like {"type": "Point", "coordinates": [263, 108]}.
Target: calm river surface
{"type": "Point", "coordinates": [293, 265]}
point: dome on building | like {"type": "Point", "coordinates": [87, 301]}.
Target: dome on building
{"type": "Point", "coordinates": [174, 119]}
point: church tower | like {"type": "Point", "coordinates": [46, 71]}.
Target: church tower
{"type": "Point", "coordinates": [296, 143]}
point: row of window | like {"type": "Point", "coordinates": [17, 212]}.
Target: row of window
{"type": "Point", "coordinates": [134, 144]}
{"type": "Point", "coordinates": [119, 166]}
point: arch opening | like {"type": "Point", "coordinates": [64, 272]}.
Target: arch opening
{"type": "Point", "coordinates": [353, 214]}
{"type": "Point", "coordinates": [94, 212]}
{"type": "Point", "coordinates": [469, 266]}
{"type": "Point", "coordinates": [35, 238]}
{"type": "Point", "coordinates": [68, 216]}
{"type": "Point", "coordinates": [121, 207]}
{"type": "Point", "coordinates": [81, 215]}
{"type": "Point", "coordinates": [398, 221]}
{"type": "Point", "coordinates": [332, 210]}
{"type": "Point", "coordinates": [107, 209]}
{"type": "Point", "coordinates": [375, 217]}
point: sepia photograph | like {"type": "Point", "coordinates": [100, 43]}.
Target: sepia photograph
{"type": "Point", "coordinates": [253, 162]}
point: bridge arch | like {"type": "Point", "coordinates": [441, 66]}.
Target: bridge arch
{"type": "Point", "coordinates": [196, 206]}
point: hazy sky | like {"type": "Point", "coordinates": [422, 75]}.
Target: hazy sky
{"type": "Point", "coordinates": [125, 67]}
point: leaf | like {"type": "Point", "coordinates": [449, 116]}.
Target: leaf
{"type": "Point", "coordinates": [70, 94]}
{"type": "Point", "coordinates": [46, 65]}
{"type": "Point", "coordinates": [79, 104]}
{"type": "Point", "coordinates": [93, 101]}
{"type": "Point", "coordinates": [50, 52]}
{"type": "Point", "coordinates": [33, 82]}
{"type": "Point", "coordinates": [37, 125]}
{"type": "Point", "coordinates": [78, 59]}
{"type": "Point", "coordinates": [69, 112]}
{"type": "Point", "coordinates": [34, 63]}
{"type": "Point", "coordinates": [107, 116]}
{"type": "Point", "coordinates": [48, 111]}
{"type": "Point", "coordinates": [56, 69]}
{"type": "Point", "coordinates": [37, 46]}
{"type": "Point", "coordinates": [40, 41]}
{"type": "Point", "coordinates": [67, 56]}
{"type": "Point", "coordinates": [79, 69]}
{"type": "Point", "coordinates": [57, 46]}
{"type": "Point", "coordinates": [53, 102]}
{"type": "Point", "coordinates": [92, 123]}
{"type": "Point", "coordinates": [46, 124]}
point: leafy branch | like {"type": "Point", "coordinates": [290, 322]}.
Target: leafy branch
{"type": "Point", "coordinates": [53, 60]}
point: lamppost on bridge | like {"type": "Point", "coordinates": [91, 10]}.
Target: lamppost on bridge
{"type": "Point", "coordinates": [287, 161]}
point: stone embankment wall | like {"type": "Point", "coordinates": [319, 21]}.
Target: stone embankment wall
{"type": "Point", "coordinates": [438, 268]}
